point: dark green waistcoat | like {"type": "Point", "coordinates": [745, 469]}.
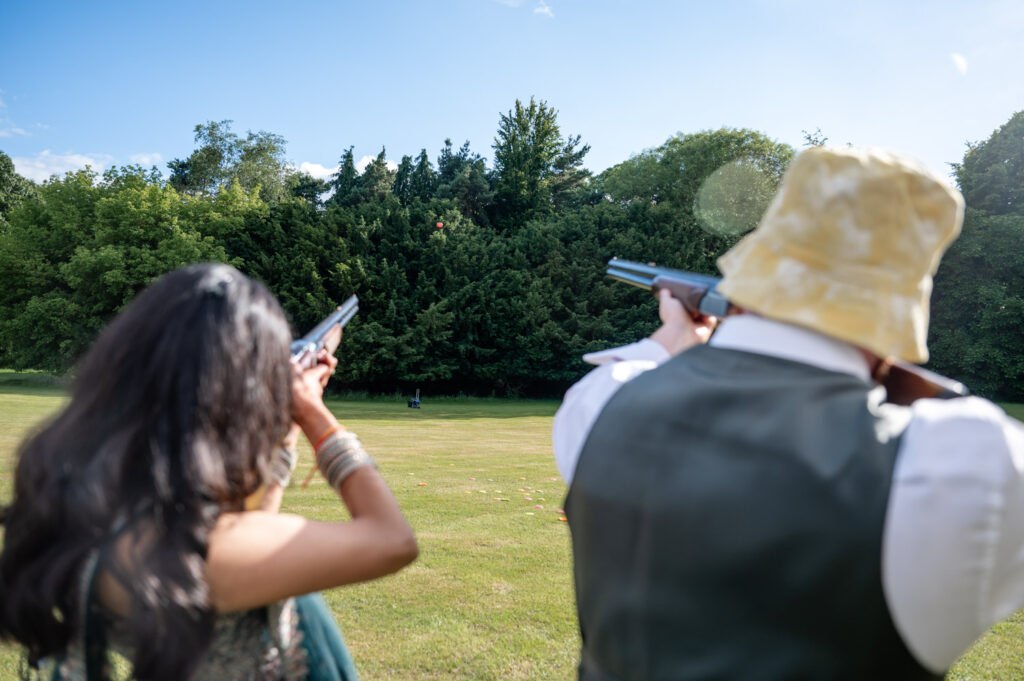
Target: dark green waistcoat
{"type": "Point", "coordinates": [726, 516]}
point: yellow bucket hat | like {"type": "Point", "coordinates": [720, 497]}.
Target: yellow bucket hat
{"type": "Point", "coordinates": [848, 248]}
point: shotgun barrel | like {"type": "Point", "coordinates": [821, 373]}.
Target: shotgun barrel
{"type": "Point", "coordinates": [326, 334]}
{"type": "Point", "coordinates": [698, 293]}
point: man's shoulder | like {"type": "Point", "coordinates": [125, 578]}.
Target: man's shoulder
{"type": "Point", "coordinates": [728, 362]}
{"type": "Point", "coordinates": [963, 437]}
{"type": "Point", "coordinates": [962, 411]}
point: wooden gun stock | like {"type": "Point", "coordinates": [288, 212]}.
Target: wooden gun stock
{"type": "Point", "coordinates": [904, 383]}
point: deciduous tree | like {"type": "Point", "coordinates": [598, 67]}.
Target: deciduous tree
{"type": "Point", "coordinates": [258, 161]}
{"type": "Point", "coordinates": [13, 188]}
{"type": "Point", "coordinates": [977, 330]}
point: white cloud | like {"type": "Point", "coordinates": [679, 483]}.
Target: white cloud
{"type": "Point", "coordinates": [542, 8]}
{"type": "Point", "coordinates": [8, 128]}
{"type": "Point", "coordinates": [960, 62]}
{"type": "Point", "coordinates": [318, 171]}
{"type": "Point", "coordinates": [147, 160]}
{"type": "Point", "coordinates": [2, 105]}
{"type": "Point", "coordinates": [365, 161]}
{"type": "Point", "coordinates": [41, 166]}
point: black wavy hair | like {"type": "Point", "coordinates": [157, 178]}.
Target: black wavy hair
{"type": "Point", "coordinates": [173, 415]}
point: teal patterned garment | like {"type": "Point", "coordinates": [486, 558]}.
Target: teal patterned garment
{"type": "Point", "coordinates": [258, 645]}
{"type": "Point", "coordinates": [327, 655]}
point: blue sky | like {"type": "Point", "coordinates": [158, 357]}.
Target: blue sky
{"type": "Point", "coordinates": [120, 82]}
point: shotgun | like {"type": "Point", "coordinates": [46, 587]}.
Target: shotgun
{"type": "Point", "coordinates": [903, 382]}
{"type": "Point", "coordinates": [326, 334]}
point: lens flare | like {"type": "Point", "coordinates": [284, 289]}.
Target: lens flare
{"type": "Point", "coordinates": [732, 199]}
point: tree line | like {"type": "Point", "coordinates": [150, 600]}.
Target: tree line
{"type": "Point", "coordinates": [472, 279]}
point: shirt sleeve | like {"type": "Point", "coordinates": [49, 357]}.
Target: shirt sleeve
{"type": "Point", "coordinates": [585, 400]}
{"type": "Point", "coordinates": [953, 548]}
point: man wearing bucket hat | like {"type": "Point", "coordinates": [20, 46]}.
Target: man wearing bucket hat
{"type": "Point", "coordinates": [752, 508]}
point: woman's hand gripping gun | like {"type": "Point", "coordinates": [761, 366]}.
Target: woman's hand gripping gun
{"type": "Point", "coordinates": [306, 352]}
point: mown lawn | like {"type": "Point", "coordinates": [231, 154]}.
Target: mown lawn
{"type": "Point", "coordinates": [491, 595]}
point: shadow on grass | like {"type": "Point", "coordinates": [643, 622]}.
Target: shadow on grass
{"type": "Point", "coordinates": [392, 409]}
{"type": "Point", "coordinates": [32, 383]}
{"type": "Point", "coordinates": [348, 405]}
{"type": "Point", "coordinates": [10, 377]}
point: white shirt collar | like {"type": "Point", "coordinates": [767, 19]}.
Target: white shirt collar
{"type": "Point", "coordinates": [750, 333]}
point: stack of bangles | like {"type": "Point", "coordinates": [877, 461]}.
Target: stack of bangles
{"type": "Point", "coordinates": [283, 465]}
{"type": "Point", "coordinates": [339, 453]}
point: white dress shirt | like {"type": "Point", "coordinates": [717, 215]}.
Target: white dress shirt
{"type": "Point", "coordinates": [953, 542]}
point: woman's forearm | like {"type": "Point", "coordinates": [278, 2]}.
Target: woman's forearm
{"type": "Point", "coordinates": [364, 492]}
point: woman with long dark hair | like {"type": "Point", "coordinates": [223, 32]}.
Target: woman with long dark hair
{"type": "Point", "coordinates": [128, 529]}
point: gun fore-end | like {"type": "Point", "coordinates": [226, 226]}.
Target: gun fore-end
{"type": "Point", "coordinates": [326, 334]}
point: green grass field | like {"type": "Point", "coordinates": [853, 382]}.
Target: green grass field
{"type": "Point", "coordinates": [490, 596]}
